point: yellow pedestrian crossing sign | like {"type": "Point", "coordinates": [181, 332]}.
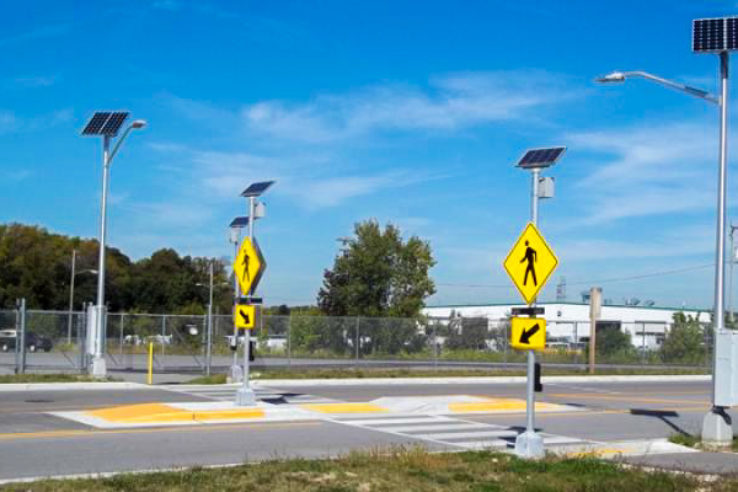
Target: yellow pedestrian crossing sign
{"type": "Point", "coordinates": [530, 263]}
{"type": "Point", "coordinates": [249, 265]}
{"type": "Point", "coordinates": [244, 316]}
{"type": "Point", "coordinates": [528, 333]}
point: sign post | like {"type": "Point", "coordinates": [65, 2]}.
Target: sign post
{"type": "Point", "coordinates": [529, 264]}
{"type": "Point", "coordinates": [248, 268]}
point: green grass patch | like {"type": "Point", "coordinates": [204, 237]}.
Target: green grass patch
{"type": "Point", "coordinates": [685, 440]}
{"type": "Point", "coordinates": [400, 469]}
{"type": "Point", "coordinates": [51, 378]}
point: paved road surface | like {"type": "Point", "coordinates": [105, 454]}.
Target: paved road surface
{"type": "Point", "coordinates": [33, 443]}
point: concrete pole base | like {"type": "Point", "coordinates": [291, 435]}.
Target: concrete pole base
{"type": "Point", "coordinates": [717, 428]}
{"type": "Point", "coordinates": [245, 397]}
{"type": "Point", "coordinates": [529, 445]}
{"type": "Point", "coordinates": [98, 368]}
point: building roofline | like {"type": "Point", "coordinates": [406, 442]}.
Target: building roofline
{"type": "Point", "coordinates": [496, 304]}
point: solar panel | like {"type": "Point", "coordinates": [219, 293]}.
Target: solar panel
{"type": "Point", "coordinates": [257, 189]}
{"type": "Point", "coordinates": [715, 35]}
{"type": "Point", "coordinates": [105, 123]}
{"type": "Point", "coordinates": [96, 123]}
{"type": "Point", "coordinates": [239, 222]}
{"type": "Point", "coordinates": [541, 157]}
{"type": "Point", "coordinates": [114, 123]}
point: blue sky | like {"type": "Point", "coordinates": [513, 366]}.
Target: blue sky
{"type": "Point", "coordinates": [407, 112]}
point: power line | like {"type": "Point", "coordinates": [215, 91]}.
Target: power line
{"type": "Point", "coordinates": [591, 282]}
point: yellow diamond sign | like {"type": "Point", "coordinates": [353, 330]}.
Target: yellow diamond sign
{"type": "Point", "coordinates": [530, 263]}
{"type": "Point", "coordinates": [249, 265]}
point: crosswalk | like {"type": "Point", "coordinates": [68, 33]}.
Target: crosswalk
{"type": "Point", "coordinates": [263, 394]}
{"type": "Point", "coordinates": [451, 431]}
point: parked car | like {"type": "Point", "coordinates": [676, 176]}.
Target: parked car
{"type": "Point", "coordinates": [34, 342]}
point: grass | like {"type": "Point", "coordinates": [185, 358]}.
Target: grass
{"type": "Point", "coordinates": [399, 469]}
{"type": "Point", "coordinates": [50, 378]}
{"type": "Point", "coordinates": [693, 441]}
{"type": "Point", "coordinates": [349, 372]}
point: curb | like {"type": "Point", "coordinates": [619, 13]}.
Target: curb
{"type": "Point", "coordinates": [72, 386]}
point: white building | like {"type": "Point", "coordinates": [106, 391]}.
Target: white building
{"type": "Point", "coordinates": [569, 322]}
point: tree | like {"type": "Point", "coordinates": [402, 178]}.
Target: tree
{"type": "Point", "coordinates": [472, 334]}
{"type": "Point", "coordinates": [612, 341]}
{"type": "Point", "coordinates": [378, 275]}
{"type": "Point", "coordinates": [683, 342]}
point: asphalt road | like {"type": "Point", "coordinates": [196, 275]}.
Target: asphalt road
{"type": "Point", "coordinates": [33, 443]}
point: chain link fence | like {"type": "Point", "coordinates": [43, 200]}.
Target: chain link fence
{"type": "Point", "coordinates": [55, 341]}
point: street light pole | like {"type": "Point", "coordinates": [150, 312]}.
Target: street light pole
{"type": "Point", "coordinates": [105, 124]}
{"type": "Point", "coordinates": [98, 362]}
{"type": "Point", "coordinates": [712, 38]}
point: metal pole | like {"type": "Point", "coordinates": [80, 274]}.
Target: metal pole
{"type": "Point", "coordinates": [716, 426]}
{"type": "Point", "coordinates": [71, 297]}
{"type": "Point", "coordinates": [235, 368]}
{"type": "Point", "coordinates": [356, 343]}
{"type": "Point", "coordinates": [22, 336]}
{"type": "Point", "coordinates": [720, 235]}
{"type": "Point", "coordinates": [98, 363]}
{"type": "Point", "coordinates": [209, 353]}
{"type": "Point", "coordinates": [530, 444]}
{"type": "Point", "coordinates": [530, 389]}
{"type": "Point", "coordinates": [245, 395]}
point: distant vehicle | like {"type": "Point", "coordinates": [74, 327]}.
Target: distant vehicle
{"type": "Point", "coordinates": [161, 339]}
{"type": "Point", "coordinates": [34, 342]}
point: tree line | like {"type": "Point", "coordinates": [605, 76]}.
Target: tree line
{"type": "Point", "coordinates": [36, 264]}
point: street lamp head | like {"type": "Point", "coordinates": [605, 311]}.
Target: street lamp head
{"type": "Point", "coordinates": [614, 77]}
{"type": "Point", "coordinates": [137, 124]}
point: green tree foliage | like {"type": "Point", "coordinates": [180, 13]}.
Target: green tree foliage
{"type": "Point", "coordinates": [613, 341]}
{"type": "Point", "coordinates": [471, 334]}
{"type": "Point", "coordinates": [36, 265]}
{"type": "Point", "coordinates": [378, 275]}
{"type": "Point", "coordinates": [683, 342]}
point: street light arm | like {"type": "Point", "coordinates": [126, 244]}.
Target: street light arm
{"type": "Point", "coordinates": [693, 91]}
{"type": "Point", "coordinates": [133, 126]}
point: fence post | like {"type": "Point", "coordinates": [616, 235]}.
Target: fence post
{"type": "Point", "coordinates": [435, 345]}
{"type": "Point", "coordinates": [209, 340]}
{"type": "Point", "coordinates": [507, 342]}
{"type": "Point", "coordinates": [81, 337]}
{"type": "Point", "coordinates": [120, 345]}
{"type": "Point", "coordinates": [289, 340]}
{"type": "Point", "coordinates": [163, 339]}
{"type": "Point", "coordinates": [357, 340]}
{"type": "Point", "coordinates": [21, 369]}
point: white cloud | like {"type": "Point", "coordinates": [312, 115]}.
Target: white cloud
{"type": "Point", "coordinates": [647, 170]}
{"type": "Point", "coordinates": [450, 102]}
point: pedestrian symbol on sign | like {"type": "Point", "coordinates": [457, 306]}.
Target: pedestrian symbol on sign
{"type": "Point", "coordinates": [531, 257]}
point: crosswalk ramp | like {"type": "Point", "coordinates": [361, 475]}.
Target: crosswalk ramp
{"type": "Point", "coordinates": [452, 432]}
{"type": "Point", "coordinates": [228, 393]}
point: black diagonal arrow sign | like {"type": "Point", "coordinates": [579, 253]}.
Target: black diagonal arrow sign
{"type": "Point", "coordinates": [526, 334]}
{"type": "Point", "coordinates": [245, 317]}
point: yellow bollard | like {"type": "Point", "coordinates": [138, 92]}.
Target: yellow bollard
{"type": "Point", "coordinates": [151, 363]}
